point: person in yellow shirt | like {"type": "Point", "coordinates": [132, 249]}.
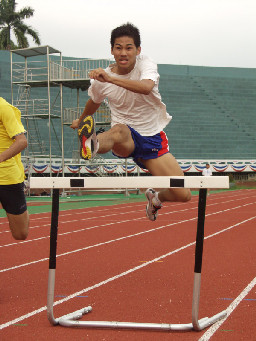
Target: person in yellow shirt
{"type": "Point", "coordinates": [12, 196]}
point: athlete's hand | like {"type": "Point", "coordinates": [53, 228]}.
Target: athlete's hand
{"type": "Point", "coordinates": [75, 124]}
{"type": "Point", "coordinates": [100, 75]}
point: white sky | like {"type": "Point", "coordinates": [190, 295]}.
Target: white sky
{"type": "Point", "coordinates": [185, 32]}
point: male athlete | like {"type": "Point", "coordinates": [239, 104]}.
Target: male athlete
{"type": "Point", "coordinates": [12, 197]}
{"type": "Point", "coordinates": [138, 116]}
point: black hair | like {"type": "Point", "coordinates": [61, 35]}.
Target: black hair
{"type": "Point", "coordinates": [128, 30]}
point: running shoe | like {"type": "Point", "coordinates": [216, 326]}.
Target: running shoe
{"type": "Point", "coordinates": [153, 204]}
{"type": "Point", "coordinates": [89, 144]}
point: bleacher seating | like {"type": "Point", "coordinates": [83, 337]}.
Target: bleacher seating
{"type": "Point", "coordinates": [213, 116]}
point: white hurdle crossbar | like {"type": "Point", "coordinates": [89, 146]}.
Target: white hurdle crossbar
{"type": "Point", "coordinates": [193, 182]}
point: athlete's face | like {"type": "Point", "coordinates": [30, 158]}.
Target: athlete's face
{"type": "Point", "coordinates": [125, 52]}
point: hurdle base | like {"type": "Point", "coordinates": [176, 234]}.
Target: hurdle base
{"type": "Point", "coordinates": [70, 320]}
{"type": "Point", "coordinates": [76, 315]}
{"type": "Point", "coordinates": [208, 321]}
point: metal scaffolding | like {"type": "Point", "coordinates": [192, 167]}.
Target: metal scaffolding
{"type": "Point", "coordinates": [44, 67]}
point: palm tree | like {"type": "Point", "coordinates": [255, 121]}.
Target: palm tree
{"type": "Point", "coordinates": [12, 21]}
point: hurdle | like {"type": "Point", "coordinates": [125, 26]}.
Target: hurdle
{"type": "Point", "coordinates": [202, 183]}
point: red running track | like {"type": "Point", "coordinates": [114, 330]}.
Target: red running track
{"type": "Point", "coordinates": [130, 269]}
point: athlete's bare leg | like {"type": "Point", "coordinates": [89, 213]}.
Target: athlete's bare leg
{"type": "Point", "coordinates": [118, 139]}
{"type": "Point", "coordinates": [19, 225]}
{"type": "Point", "coordinates": [167, 165]}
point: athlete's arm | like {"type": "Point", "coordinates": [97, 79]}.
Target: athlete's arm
{"type": "Point", "coordinates": [18, 145]}
{"type": "Point", "coordinates": [89, 109]}
{"type": "Point", "coordinates": [143, 86]}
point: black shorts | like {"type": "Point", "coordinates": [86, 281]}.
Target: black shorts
{"type": "Point", "coordinates": [12, 198]}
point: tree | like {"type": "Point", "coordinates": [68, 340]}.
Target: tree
{"type": "Point", "coordinates": [12, 21]}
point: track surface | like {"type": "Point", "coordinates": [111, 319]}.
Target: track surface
{"type": "Point", "coordinates": [132, 270]}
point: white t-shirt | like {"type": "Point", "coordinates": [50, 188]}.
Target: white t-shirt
{"type": "Point", "coordinates": [207, 172]}
{"type": "Point", "coordinates": [144, 113]}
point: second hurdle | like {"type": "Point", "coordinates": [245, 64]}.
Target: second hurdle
{"type": "Point", "coordinates": [202, 183]}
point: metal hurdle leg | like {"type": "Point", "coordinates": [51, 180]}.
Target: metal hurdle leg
{"type": "Point", "coordinates": [70, 320]}
{"type": "Point", "coordinates": [205, 322]}
{"type": "Point", "coordinates": [52, 265]}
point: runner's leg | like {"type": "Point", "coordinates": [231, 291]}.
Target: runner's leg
{"type": "Point", "coordinates": [118, 139]}
{"type": "Point", "coordinates": [167, 165]}
{"type": "Point", "coordinates": [19, 225]}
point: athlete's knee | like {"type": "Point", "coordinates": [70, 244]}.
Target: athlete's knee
{"type": "Point", "coordinates": [20, 228]}
{"type": "Point", "coordinates": [20, 234]}
{"type": "Point", "coordinates": [183, 195]}
{"type": "Point", "coordinates": [120, 129]}
{"type": "Point", "coordinates": [186, 196]}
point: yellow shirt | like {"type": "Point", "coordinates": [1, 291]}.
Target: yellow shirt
{"type": "Point", "coordinates": [11, 170]}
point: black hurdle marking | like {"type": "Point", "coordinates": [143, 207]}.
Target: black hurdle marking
{"type": "Point", "coordinates": [200, 230]}
{"type": "Point", "coordinates": [76, 182]}
{"type": "Point", "coordinates": [54, 228]}
{"type": "Point", "coordinates": [176, 182]}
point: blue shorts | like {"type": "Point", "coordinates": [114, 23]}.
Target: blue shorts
{"type": "Point", "coordinates": [148, 147]}
{"type": "Point", "coordinates": [12, 198]}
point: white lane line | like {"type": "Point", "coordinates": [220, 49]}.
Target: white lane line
{"type": "Point", "coordinates": [85, 211]}
{"type": "Point", "coordinates": [96, 245]}
{"type": "Point", "coordinates": [113, 223]}
{"type": "Point", "coordinates": [118, 239]}
{"type": "Point", "coordinates": [77, 220]}
{"type": "Point", "coordinates": [93, 227]}
{"type": "Point", "coordinates": [213, 329]}
{"type": "Point", "coordinates": [107, 209]}
{"type": "Point", "coordinates": [23, 317]}
{"type": "Point", "coordinates": [63, 214]}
